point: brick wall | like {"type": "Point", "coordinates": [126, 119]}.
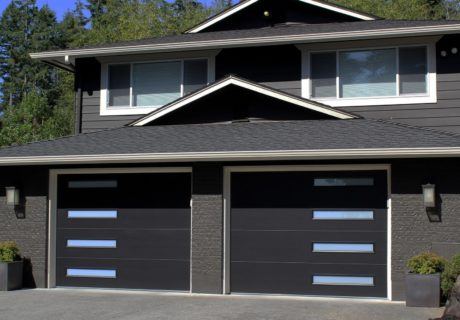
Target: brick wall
{"type": "Point", "coordinates": [413, 232]}
{"type": "Point", "coordinates": [28, 225]}
{"type": "Point", "coordinates": [207, 229]}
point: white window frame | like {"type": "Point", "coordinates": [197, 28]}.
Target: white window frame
{"type": "Point", "coordinates": [429, 97]}
{"type": "Point", "coordinates": [106, 110]}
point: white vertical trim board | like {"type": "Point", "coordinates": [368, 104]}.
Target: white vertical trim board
{"type": "Point", "coordinates": [52, 203]}
{"type": "Point", "coordinates": [293, 168]}
{"type": "Point", "coordinates": [389, 240]}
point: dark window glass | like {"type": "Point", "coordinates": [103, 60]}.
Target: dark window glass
{"type": "Point", "coordinates": [119, 85]}
{"type": "Point", "coordinates": [323, 75]}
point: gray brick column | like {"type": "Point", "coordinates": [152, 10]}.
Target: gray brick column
{"type": "Point", "coordinates": [207, 229]}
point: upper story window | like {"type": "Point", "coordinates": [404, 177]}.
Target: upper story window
{"type": "Point", "coordinates": [140, 87]}
{"type": "Point", "coordinates": [377, 76]}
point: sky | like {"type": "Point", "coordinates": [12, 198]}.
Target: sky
{"type": "Point", "coordinates": [59, 6]}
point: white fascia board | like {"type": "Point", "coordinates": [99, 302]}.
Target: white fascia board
{"type": "Point", "coordinates": [246, 4]}
{"type": "Point", "coordinates": [341, 10]}
{"type": "Point", "coordinates": [327, 154]}
{"type": "Point", "coordinates": [247, 42]}
{"type": "Point", "coordinates": [240, 83]}
{"type": "Point", "coordinates": [222, 16]}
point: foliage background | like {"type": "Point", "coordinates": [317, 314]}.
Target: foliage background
{"type": "Point", "coordinates": [36, 100]}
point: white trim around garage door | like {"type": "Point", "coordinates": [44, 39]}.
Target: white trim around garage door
{"type": "Point", "coordinates": [52, 204]}
{"type": "Point", "coordinates": [227, 205]}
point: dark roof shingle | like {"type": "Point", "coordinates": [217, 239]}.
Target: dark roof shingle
{"type": "Point", "coordinates": [283, 30]}
{"type": "Point", "coordinates": [253, 136]}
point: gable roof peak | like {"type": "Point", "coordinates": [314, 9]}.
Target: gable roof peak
{"type": "Point", "coordinates": [243, 4]}
{"type": "Point", "coordinates": [249, 85]}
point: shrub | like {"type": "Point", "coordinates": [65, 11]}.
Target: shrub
{"type": "Point", "coordinates": [426, 263]}
{"type": "Point", "coordinates": [450, 274]}
{"type": "Point", "coordinates": [9, 252]}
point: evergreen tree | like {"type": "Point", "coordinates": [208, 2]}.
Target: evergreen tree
{"type": "Point", "coordinates": [29, 86]}
{"type": "Point", "coordinates": [220, 5]}
{"type": "Point", "coordinates": [399, 9]}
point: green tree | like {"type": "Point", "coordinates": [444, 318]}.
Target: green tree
{"type": "Point", "coordinates": [399, 9]}
{"type": "Point", "coordinates": [25, 82]}
{"type": "Point", "coordinates": [220, 5]}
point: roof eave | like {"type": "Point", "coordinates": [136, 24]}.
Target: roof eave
{"type": "Point", "coordinates": [62, 57]}
{"type": "Point", "coordinates": [329, 154]}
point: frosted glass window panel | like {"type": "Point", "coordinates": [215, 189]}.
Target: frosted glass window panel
{"type": "Point", "coordinates": [343, 281]}
{"type": "Point", "coordinates": [343, 182]}
{"type": "Point", "coordinates": [343, 215]}
{"type": "Point", "coordinates": [413, 70]}
{"type": "Point", "coordinates": [94, 184]}
{"type": "Point", "coordinates": [91, 273]}
{"type": "Point", "coordinates": [119, 85]}
{"type": "Point", "coordinates": [195, 75]}
{"type": "Point", "coordinates": [156, 84]}
{"type": "Point", "coordinates": [92, 244]}
{"type": "Point", "coordinates": [91, 214]}
{"type": "Point", "coordinates": [324, 75]}
{"type": "Point", "coordinates": [367, 73]}
{"type": "Point", "coordinates": [343, 247]}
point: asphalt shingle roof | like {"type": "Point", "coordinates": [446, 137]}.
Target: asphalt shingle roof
{"type": "Point", "coordinates": [252, 136]}
{"type": "Point", "coordinates": [282, 30]}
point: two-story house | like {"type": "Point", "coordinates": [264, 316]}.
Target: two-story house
{"type": "Point", "coordinates": [280, 147]}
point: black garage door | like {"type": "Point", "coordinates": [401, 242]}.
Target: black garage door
{"type": "Point", "coordinates": [315, 233]}
{"type": "Point", "coordinates": [124, 231]}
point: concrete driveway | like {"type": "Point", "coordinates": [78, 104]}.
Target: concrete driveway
{"type": "Point", "coordinates": [63, 304]}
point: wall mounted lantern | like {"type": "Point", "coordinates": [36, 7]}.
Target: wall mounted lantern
{"type": "Point", "coordinates": [429, 195]}
{"type": "Point", "coordinates": [12, 196]}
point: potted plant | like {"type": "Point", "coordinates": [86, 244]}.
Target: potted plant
{"type": "Point", "coordinates": [423, 281]}
{"type": "Point", "coordinates": [11, 267]}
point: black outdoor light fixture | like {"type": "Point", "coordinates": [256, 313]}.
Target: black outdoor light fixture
{"type": "Point", "coordinates": [429, 195]}
{"type": "Point", "coordinates": [12, 196]}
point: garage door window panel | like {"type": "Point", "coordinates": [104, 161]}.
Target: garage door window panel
{"type": "Point", "coordinates": [343, 247]}
{"type": "Point", "coordinates": [343, 281]}
{"type": "Point", "coordinates": [91, 273]}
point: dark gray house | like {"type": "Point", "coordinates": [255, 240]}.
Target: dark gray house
{"type": "Point", "coordinates": [280, 147]}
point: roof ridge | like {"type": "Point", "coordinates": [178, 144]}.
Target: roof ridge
{"type": "Point", "coordinates": [405, 125]}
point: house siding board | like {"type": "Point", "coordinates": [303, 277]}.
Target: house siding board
{"type": "Point", "coordinates": [28, 225]}
{"type": "Point", "coordinates": [280, 68]}
{"type": "Point", "coordinates": [90, 72]}
{"type": "Point", "coordinates": [277, 66]}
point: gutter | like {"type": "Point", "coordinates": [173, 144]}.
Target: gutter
{"type": "Point", "coordinates": [241, 42]}
{"type": "Point", "coordinates": [328, 154]}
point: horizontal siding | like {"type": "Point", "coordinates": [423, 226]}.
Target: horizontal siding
{"type": "Point", "coordinates": [279, 67]}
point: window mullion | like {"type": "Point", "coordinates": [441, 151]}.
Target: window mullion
{"type": "Point", "coordinates": [182, 78]}
{"type": "Point", "coordinates": [337, 77]}
{"type": "Point", "coordinates": [131, 85]}
{"type": "Point", "coordinates": [398, 88]}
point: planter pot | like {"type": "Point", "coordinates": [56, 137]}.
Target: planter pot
{"type": "Point", "coordinates": [11, 275]}
{"type": "Point", "coordinates": [423, 290]}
